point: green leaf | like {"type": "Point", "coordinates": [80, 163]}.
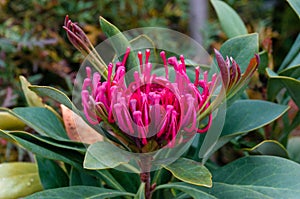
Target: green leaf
{"type": "Point", "coordinates": [291, 56]}
{"type": "Point", "coordinates": [295, 4]}
{"type": "Point", "coordinates": [19, 179]}
{"type": "Point", "coordinates": [190, 189]}
{"type": "Point", "coordinates": [276, 83]}
{"type": "Point", "coordinates": [119, 42]}
{"type": "Point", "coordinates": [51, 175]}
{"type": "Point", "coordinates": [42, 120]}
{"type": "Point", "coordinates": [68, 156]}
{"type": "Point", "coordinates": [141, 192]}
{"type": "Point", "coordinates": [76, 146]}
{"type": "Point", "coordinates": [293, 72]}
{"type": "Point", "coordinates": [261, 177]}
{"type": "Point", "coordinates": [263, 62]}
{"type": "Point", "coordinates": [191, 172]}
{"type": "Point", "coordinates": [269, 147]}
{"type": "Point", "coordinates": [241, 49]}
{"type": "Point", "coordinates": [103, 155]}
{"type": "Point", "coordinates": [247, 115]}
{"type": "Point", "coordinates": [32, 98]}
{"type": "Point", "coordinates": [244, 116]}
{"type": "Point", "coordinates": [78, 177]}
{"type": "Point", "coordinates": [44, 149]}
{"type": "Point", "coordinates": [293, 148]}
{"type": "Point", "coordinates": [130, 181]}
{"type": "Point", "coordinates": [230, 21]}
{"type": "Point", "coordinates": [53, 93]}
{"type": "Point", "coordinates": [79, 192]}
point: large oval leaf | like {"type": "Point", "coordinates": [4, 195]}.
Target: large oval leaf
{"type": "Point", "coordinates": [103, 155]}
{"type": "Point", "coordinates": [256, 177]}
{"type": "Point", "coordinates": [230, 21]}
{"type": "Point", "coordinates": [191, 172]}
{"type": "Point", "coordinates": [260, 177]}
{"type": "Point", "coordinates": [244, 116]}
{"type": "Point", "coordinates": [79, 192]}
{"type": "Point", "coordinates": [18, 179]}
{"type": "Point", "coordinates": [247, 115]}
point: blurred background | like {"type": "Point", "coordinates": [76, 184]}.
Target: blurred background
{"type": "Point", "coordinates": [33, 43]}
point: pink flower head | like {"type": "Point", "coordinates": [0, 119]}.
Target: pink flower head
{"type": "Point", "coordinates": [151, 109]}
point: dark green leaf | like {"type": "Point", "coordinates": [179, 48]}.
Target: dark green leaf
{"type": "Point", "coordinates": [295, 5]}
{"type": "Point", "coordinates": [293, 72]}
{"type": "Point", "coordinates": [82, 178]}
{"type": "Point", "coordinates": [190, 189]}
{"type": "Point", "coordinates": [190, 171]}
{"type": "Point", "coordinates": [257, 177]}
{"type": "Point", "coordinates": [79, 192]}
{"type": "Point", "coordinates": [51, 175]}
{"type": "Point", "coordinates": [263, 62]}
{"type": "Point", "coordinates": [276, 83]}
{"type": "Point", "coordinates": [230, 21]}
{"type": "Point", "coordinates": [42, 120]}
{"type": "Point", "coordinates": [76, 146]}
{"type": "Point", "coordinates": [269, 147]}
{"type": "Point", "coordinates": [130, 181]}
{"type": "Point", "coordinates": [68, 156]}
{"type": "Point", "coordinates": [119, 42]}
{"type": "Point", "coordinates": [292, 55]}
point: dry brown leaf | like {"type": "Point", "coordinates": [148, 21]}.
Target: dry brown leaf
{"type": "Point", "coordinates": [77, 129]}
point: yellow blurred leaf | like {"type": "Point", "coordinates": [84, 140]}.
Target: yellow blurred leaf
{"type": "Point", "coordinates": [18, 179]}
{"type": "Point", "coordinates": [31, 97]}
{"type": "Point", "coordinates": [10, 122]}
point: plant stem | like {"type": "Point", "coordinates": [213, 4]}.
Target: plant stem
{"type": "Point", "coordinates": [145, 176]}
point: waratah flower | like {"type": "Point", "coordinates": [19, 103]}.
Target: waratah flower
{"type": "Point", "coordinates": [152, 111]}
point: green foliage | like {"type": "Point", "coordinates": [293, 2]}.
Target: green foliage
{"type": "Point", "coordinates": [230, 21]}
{"type": "Point", "coordinates": [80, 192]}
{"type": "Point", "coordinates": [67, 168]}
